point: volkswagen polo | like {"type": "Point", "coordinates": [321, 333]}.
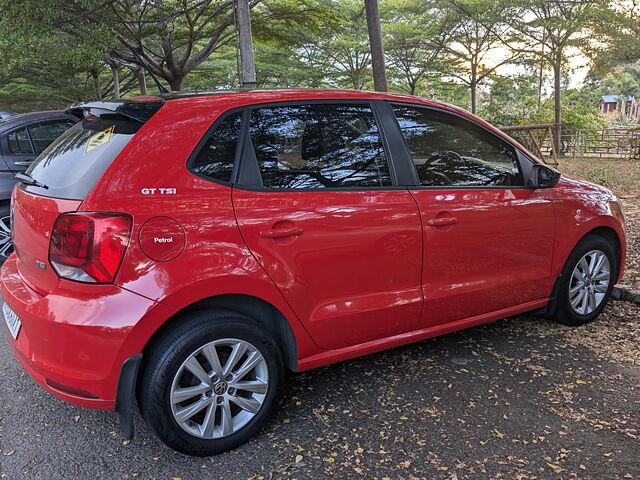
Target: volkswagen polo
{"type": "Point", "coordinates": [181, 253]}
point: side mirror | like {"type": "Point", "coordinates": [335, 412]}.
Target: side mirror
{"type": "Point", "coordinates": [543, 176]}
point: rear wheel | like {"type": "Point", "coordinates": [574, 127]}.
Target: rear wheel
{"type": "Point", "coordinates": [587, 281]}
{"type": "Point", "coordinates": [6, 245]}
{"type": "Point", "coordinates": [210, 384]}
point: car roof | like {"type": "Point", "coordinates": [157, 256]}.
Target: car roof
{"type": "Point", "coordinates": [274, 95]}
{"type": "Point", "coordinates": [143, 107]}
{"type": "Point", "coordinates": [255, 96]}
{"type": "Point", "coordinates": [23, 119]}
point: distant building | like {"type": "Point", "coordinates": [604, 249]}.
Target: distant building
{"type": "Point", "coordinates": [619, 105]}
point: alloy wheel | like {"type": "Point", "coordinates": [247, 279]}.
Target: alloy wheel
{"type": "Point", "coordinates": [589, 282]}
{"type": "Point", "coordinates": [6, 245]}
{"type": "Point", "coordinates": [219, 388]}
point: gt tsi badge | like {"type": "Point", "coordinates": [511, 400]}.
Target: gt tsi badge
{"type": "Point", "coordinates": [158, 191]}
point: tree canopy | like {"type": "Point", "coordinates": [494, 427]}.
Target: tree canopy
{"type": "Point", "coordinates": [508, 60]}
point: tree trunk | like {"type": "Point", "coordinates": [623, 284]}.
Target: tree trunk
{"type": "Point", "coordinates": [474, 99]}
{"type": "Point", "coordinates": [245, 44]}
{"type": "Point", "coordinates": [142, 81]}
{"type": "Point", "coordinates": [96, 84]}
{"type": "Point", "coordinates": [473, 84]}
{"type": "Point", "coordinates": [375, 42]}
{"type": "Point", "coordinates": [557, 97]}
{"type": "Point", "coordinates": [541, 78]}
{"type": "Point", "coordinates": [176, 83]}
{"type": "Point", "coordinates": [116, 80]}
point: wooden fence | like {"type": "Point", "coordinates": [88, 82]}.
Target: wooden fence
{"type": "Point", "coordinates": [604, 143]}
{"type": "Point", "coordinates": [537, 138]}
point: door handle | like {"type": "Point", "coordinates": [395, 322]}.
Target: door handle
{"type": "Point", "coordinates": [442, 221]}
{"type": "Point", "coordinates": [26, 163]}
{"type": "Point", "coordinates": [282, 232]}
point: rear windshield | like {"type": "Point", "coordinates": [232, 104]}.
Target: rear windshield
{"type": "Point", "coordinates": [74, 162]}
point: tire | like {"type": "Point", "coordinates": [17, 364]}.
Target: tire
{"type": "Point", "coordinates": [595, 287]}
{"type": "Point", "coordinates": [168, 369]}
{"type": "Point", "coordinates": [6, 245]}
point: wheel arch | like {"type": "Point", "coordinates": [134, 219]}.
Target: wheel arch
{"type": "Point", "coordinates": [606, 227]}
{"type": "Point", "coordinates": [604, 231]}
{"type": "Point", "coordinates": [248, 307]}
{"type": "Point", "coordinates": [610, 234]}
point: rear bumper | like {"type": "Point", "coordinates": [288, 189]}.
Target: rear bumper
{"type": "Point", "coordinates": [74, 345]}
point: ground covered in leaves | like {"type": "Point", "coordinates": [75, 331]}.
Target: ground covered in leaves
{"type": "Point", "coordinates": [520, 398]}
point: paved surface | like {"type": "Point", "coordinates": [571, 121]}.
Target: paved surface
{"type": "Point", "coordinates": [517, 399]}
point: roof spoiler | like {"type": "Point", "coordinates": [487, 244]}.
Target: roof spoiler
{"type": "Point", "coordinates": [139, 109]}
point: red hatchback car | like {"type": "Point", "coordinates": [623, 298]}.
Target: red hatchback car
{"type": "Point", "coordinates": [184, 251]}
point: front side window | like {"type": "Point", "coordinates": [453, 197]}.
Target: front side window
{"type": "Point", "coordinates": [449, 151]}
{"type": "Point", "coordinates": [216, 157]}
{"type": "Point", "coordinates": [43, 134]}
{"type": "Point", "coordinates": [318, 146]}
{"type": "Point", "coordinates": [19, 143]}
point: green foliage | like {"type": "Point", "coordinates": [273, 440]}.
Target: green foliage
{"type": "Point", "coordinates": [411, 36]}
{"type": "Point", "coordinates": [511, 100]}
{"type": "Point", "coordinates": [57, 52]}
{"type": "Point", "coordinates": [573, 116]}
{"type": "Point", "coordinates": [582, 116]}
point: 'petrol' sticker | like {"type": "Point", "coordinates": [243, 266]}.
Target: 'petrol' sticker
{"type": "Point", "coordinates": [100, 138]}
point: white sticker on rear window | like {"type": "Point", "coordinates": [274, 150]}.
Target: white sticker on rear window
{"type": "Point", "coordinates": [100, 138]}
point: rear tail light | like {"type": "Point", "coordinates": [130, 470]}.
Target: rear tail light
{"type": "Point", "coordinates": [89, 247]}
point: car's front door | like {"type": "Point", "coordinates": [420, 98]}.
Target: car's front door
{"type": "Point", "coordinates": [488, 240]}
{"type": "Point", "coordinates": [319, 210]}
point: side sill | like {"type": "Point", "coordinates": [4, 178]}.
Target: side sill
{"type": "Point", "coordinates": [352, 351]}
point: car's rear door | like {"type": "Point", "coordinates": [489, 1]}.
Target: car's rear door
{"type": "Point", "coordinates": [317, 204]}
{"type": "Point", "coordinates": [488, 239]}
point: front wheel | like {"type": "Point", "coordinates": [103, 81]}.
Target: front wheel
{"type": "Point", "coordinates": [210, 384]}
{"type": "Point", "coordinates": [587, 281]}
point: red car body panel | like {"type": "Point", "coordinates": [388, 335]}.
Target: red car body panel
{"type": "Point", "coordinates": [326, 273]}
{"type": "Point", "coordinates": [77, 336]}
{"type": "Point", "coordinates": [486, 262]}
{"type": "Point", "coordinates": [580, 208]}
{"type": "Point", "coordinates": [367, 272]}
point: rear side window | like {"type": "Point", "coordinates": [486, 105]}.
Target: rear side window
{"type": "Point", "coordinates": [43, 134]}
{"type": "Point", "coordinates": [74, 162]}
{"type": "Point", "coordinates": [318, 146]}
{"type": "Point", "coordinates": [216, 156]}
{"type": "Point", "coordinates": [19, 143]}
